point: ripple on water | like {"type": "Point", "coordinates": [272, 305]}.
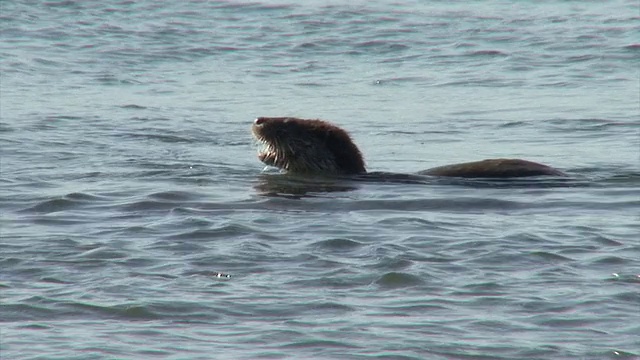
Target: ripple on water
{"type": "Point", "coordinates": [612, 260]}
{"type": "Point", "coordinates": [392, 263]}
{"type": "Point", "coordinates": [67, 202]}
{"type": "Point", "coordinates": [397, 280]}
{"type": "Point", "coordinates": [103, 253]}
{"type": "Point", "coordinates": [128, 195]}
{"type": "Point", "coordinates": [552, 258]}
{"type": "Point", "coordinates": [53, 205]}
{"type": "Point", "coordinates": [178, 247]}
{"type": "Point", "coordinates": [231, 230]}
{"type": "Point", "coordinates": [338, 245]}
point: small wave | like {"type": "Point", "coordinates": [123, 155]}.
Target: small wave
{"type": "Point", "coordinates": [109, 79]}
{"type": "Point", "coordinates": [145, 205]}
{"type": "Point", "coordinates": [133, 106]}
{"type": "Point", "coordinates": [581, 58]}
{"type": "Point", "coordinates": [632, 297]}
{"type": "Point", "coordinates": [250, 6]}
{"type": "Point", "coordinates": [175, 247]}
{"type": "Point", "coordinates": [25, 312]}
{"type": "Point", "coordinates": [80, 196]}
{"type": "Point", "coordinates": [461, 204]}
{"type": "Point", "coordinates": [395, 280]}
{"type": "Point", "coordinates": [490, 82]}
{"type": "Point", "coordinates": [401, 80]}
{"type": "Point", "coordinates": [381, 47]}
{"type": "Point", "coordinates": [603, 240]}
{"type": "Point", "coordinates": [160, 137]}
{"type": "Point", "coordinates": [317, 343]}
{"type": "Point", "coordinates": [325, 307]}
{"type": "Point", "coordinates": [126, 311]}
{"type": "Point", "coordinates": [50, 206]}
{"type": "Point", "coordinates": [572, 323]}
{"type": "Point", "coordinates": [6, 128]}
{"type": "Point", "coordinates": [311, 84]}
{"type": "Point", "coordinates": [487, 53]}
{"type": "Point", "coordinates": [307, 45]}
{"type": "Point", "coordinates": [515, 123]}
{"type": "Point", "coordinates": [175, 196]}
{"type": "Point", "coordinates": [630, 279]}
{"type": "Point", "coordinates": [485, 289]}
{"type": "Point", "coordinates": [64, 3]}
{"type": "Point", "coordinates": [67, 202]}
{"type": "Point", "coordinates": [392, 263]}
{"type": "Point", "coordinates": [611, 260]}
{"type": "Point", "coordinates": [224, 231]}
{"type": "Point", "coordinates": [551, 257]}
{"type": "Point", "coordinates": [589, 124]}
{"type": "Point", "coordinates": [54, 280]}
{"type": "Point", "coordinates": [338, 244]}
{"type": "Point", "coordinates": [415, 221]}
{"type": "Point", "coordinates": [103, 253]}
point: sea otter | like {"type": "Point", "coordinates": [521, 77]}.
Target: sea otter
{"type": "Point", "coordinates": [317, 147]}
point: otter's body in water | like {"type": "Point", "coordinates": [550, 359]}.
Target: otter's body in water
{"type": "Point", "coordinates": [316, 147]}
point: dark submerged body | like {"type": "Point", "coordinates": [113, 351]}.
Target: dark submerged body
{"type": "Point", "coordinates": [494, 168]}
{"type": "Point", "coordinates": [316, 147]}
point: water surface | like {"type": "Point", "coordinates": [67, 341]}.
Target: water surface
{"type": "Point", "coordinates": [129, 181]}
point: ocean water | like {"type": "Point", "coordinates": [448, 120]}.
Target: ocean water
{"type": "Point", "coordinates": [129, 181]}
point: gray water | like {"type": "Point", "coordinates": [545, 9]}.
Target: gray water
{"type": "Point", "coordinates": [129, 181]}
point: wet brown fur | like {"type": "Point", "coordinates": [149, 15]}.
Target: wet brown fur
{"type": "Point", "coordinates": [318, 147]}
{"type": "Point", "coordinates": [307, 146]}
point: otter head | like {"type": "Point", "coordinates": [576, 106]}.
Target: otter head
{"type": "Point", "coordinates": [307, 146]}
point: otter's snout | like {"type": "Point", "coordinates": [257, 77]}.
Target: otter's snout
{"type": "Point", "coordinates": [258, 127]}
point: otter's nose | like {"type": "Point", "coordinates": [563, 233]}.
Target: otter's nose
{"type": "Point", "coordinates": [259, 121]}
